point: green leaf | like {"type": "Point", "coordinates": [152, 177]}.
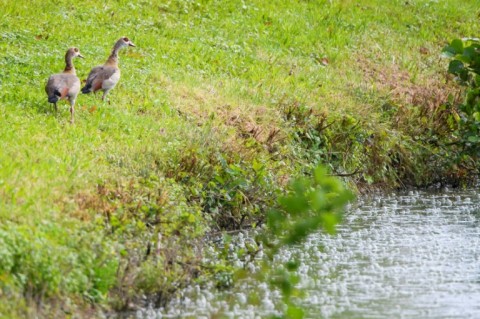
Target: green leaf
{"type": "Point", "coordinates": [300, 186]}
{"type": "Point", "coordinates": [219, 179]}
{"type": "Point", "coordinates": [476, 116]}
{"type": "Point", "coordinates": [473, 139]}
{"type": "Point", "coordinates": [457, 46]}
{"type": "Point", "coordinates": [455, 67]}
{"type": "Point", "coordinates": [191, 218]}
{"type": "Point", "coordinates": [301, 229]}
{"type": "Point", "coordinates": [318, 199]}
{"type": "Point", "coordinates": [294, 205]}
{"type": "Point", "coordinates": [477, 79]}
{"type": "Point", "coordinates": [329, 222]}
{"type": "Point", "coordinates": [319, 174]}
{"type": "Point", "coordinates": [257, 166]}
{"type": "Point", "coordinates": [468, 54]}
{"type": "Point", "coordinates": [292, 265]}
{"type": "Point", "coordinates": [295, 312]}
{"type": "Point", "coordinates": [275, 220]}
{"type": "Point", "coordinates": [448, 52]}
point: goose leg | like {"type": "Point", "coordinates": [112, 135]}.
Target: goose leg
{"type": "Point", "coordinates": [104, 96]}
{"type": "Point", "coordinates": [72, 110]}
{"type": "Point", "coordinates": [56, 109]}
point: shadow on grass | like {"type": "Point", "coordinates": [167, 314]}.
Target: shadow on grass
{"type": "Point", "coordinates": [41, 106]}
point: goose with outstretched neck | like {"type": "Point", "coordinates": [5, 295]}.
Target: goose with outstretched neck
{"type": "Point", "coordinates": [106, 76]}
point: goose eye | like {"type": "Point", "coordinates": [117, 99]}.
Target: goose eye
{"type": "Point", "coordinates": [126, 39]}
{"type": "Point", "coordinates": [76, 50]}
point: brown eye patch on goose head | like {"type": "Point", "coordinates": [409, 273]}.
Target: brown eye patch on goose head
{"type": "Point", "coordinates": [126, 39]}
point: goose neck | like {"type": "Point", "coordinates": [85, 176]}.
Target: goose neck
{"type": "Point", "coordinates": [69, 67]}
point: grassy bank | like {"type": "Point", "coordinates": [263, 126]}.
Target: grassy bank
{"type": "Point", "coordinates": [219, 105]}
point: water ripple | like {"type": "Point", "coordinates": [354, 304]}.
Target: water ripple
{"type": "Point", "coordinates": [404, 255]}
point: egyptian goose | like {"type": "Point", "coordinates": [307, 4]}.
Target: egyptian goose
{"type": "Point", "coordinates": [105, 77]}
{"type": "Point", "coordinates": [65, 85]}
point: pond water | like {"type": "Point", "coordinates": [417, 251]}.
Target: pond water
{"type": "Point", "coordinates": [403, 255]}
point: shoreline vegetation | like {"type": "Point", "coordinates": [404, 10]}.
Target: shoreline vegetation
{"type": "Point", "coordinates": [220, 106]}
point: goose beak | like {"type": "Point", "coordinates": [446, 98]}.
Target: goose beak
{"type": "Point", "coordinates": [81, 56]}
{"type": "Point", "coordinates": [131, 44]}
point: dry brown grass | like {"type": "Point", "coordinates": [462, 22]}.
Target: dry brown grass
{"type": "Point", "coordinates": [205, 102]}
{"type": "Point", "coordinates": [429, 93]}
{"type": "Point", "coordinates": [420, 98]}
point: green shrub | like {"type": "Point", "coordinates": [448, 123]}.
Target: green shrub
{"type": "Point", "coordinates": [465, 65]}
{"type": "Point", "coordinates": [310, 204]}
{"type": "Point", "coordinates": [55, 261]}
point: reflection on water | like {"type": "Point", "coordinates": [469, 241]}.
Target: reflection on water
{"type": "Point", "coordinates": [413, 255]}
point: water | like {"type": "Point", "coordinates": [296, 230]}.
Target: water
{"type": "Point", "coordinates": [413, 255]}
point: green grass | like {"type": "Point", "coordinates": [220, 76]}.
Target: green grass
{"type": "Point", "coordinates": [211, 88]}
